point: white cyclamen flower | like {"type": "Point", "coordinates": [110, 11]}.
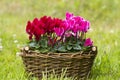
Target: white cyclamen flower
{"type": "Point", "coordinates": [18, 53]}
{"type": "Point", "coordinates": [112, 31]}
{"type": "Point", "coordinates": [14, 35]}
{"type": "Point", "coordinates": [15, 41]}
{"type": "Point", "coordinates": [1, 47]}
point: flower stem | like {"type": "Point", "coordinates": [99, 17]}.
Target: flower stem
{"type": "Point", "coordinates": [82, 36]}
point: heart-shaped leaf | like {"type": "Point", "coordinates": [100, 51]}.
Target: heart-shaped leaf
{"type": "Point", "coordinates": [62, 49]}
{"type": "Point", "coordinates": [69, 47]}
{"type": "Point", "coordinates": [77, 47]}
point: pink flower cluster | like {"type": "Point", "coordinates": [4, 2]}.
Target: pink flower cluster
{"type": "Point", "coordinates": [76, 23]}
{"type": "Point", "coordinates": [71, 26]}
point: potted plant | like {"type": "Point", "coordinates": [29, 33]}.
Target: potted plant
{"type": "Point", "coordinates": [55, 44]}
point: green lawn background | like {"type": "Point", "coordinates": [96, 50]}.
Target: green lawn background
{"type": "Point", "coordinates": [104, 16]}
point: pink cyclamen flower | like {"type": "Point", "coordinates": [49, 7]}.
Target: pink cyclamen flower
{"type": "Point", "coordinates": [69, 15]}
{"type": "Point", "coordinates": [85, 25]}
{"type": "Point", "coordinates": [59, 31]}
{"type": "Point", "coordinates": [88, 42]}
{"type": "Point", "coordinates": [77, 23]}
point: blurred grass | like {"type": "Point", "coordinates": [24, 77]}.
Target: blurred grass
{"type": "Point", "coordinates": [105, 23]}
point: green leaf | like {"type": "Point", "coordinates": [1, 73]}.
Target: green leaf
{"type": "Point", "coordinates": [69, 43]}
{"type": "Point", "coordinates": [79, 42]}
{"type": "Point", "coordinates": [44, 50]}
{"type": "Point", "coordinates": [62, 49]}
{"type": "Point", "coordinates": [69, 47]}
{"type": "Point", "coordinates": [32, 44]}
{"type": "Point", "coordinates": [77, 47]}
{"type": "Point", "coordinates": [43, 43]}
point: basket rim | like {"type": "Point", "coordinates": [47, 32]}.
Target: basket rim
{"type": "Point", "coordinates": [79, 54]}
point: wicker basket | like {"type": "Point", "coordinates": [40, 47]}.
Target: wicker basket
{"type": "Point", "coordinates": [77, 64]}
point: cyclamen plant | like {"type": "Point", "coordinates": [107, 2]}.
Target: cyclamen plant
{"type": "Point", "coordinates": [49, 34]}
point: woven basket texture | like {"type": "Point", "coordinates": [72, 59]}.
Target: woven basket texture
{"type": "Point", "coordinates": [75, 64]}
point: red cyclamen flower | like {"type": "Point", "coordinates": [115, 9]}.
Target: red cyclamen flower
{"type": "Point", "coordinates": [33, 28]}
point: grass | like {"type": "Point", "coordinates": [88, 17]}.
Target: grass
{"type": "Point", "coordinates": [105, 22]}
